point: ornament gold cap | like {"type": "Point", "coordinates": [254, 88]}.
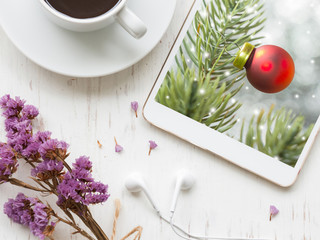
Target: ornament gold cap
{"type": "Point", "coordinates": [243, 55]}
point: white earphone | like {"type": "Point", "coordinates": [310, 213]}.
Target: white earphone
{"type": "Point", "coordinates": [135, 183]}
{"type": "Point", "coordinates": [185, 181]}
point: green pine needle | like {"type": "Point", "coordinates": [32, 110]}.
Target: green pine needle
{"type": "Point", "coordinates": [199, 98]}
{"type": "Point", "coordinates": [218, 31]}
{"type": "Point", "coordinates": [206, 54]}
{"type": "Point", "coordinates": [279, 134]}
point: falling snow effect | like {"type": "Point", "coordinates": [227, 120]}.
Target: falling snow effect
{"type": "Point", "coordinates": [298, 32]}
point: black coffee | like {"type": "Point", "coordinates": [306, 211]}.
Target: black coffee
{"type": "Point", "coordinates": [82, 8]}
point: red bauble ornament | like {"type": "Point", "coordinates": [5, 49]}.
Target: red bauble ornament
{"type": "Point", "coordinates": [270, 68]}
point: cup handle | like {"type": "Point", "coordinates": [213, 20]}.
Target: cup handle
{"type": "Point", "coordinates": [131, 23]}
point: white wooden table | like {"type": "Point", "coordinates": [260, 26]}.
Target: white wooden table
{"type": "Point", "coordinates": [226, 200]}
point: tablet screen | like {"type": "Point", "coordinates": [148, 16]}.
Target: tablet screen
{"type": "Point", "coordinates": [203, 84]}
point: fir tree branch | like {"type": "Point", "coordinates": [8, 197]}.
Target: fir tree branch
{"type": "Point", "coordinates": [218, 30]}
{"type": "Point", "coordinates": [206, 55]}
{"type": "Point", "coordinates": [199, 98]}
{"type": "Point", "coordinates": [279, 134]}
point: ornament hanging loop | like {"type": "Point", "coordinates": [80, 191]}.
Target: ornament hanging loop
{"type": "Point", "coordinates": [243, 55]}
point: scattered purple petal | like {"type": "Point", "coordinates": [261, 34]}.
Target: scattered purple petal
{"type": "Point", "coordinates": [273, 211]}
{"type": "Point", "coordinates": [134, 106]}
{"type": "Point", "coordinates": [118, 148]}
{"type": "Point", "coordinates": [153, 145]}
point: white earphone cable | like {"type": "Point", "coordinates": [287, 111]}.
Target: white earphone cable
{"type": "Point", "coordinates": [190, 236]}
{"type": "Point", "coordinates": [135, 183]}
{"type": "Point", "coordinates": [174, 225]}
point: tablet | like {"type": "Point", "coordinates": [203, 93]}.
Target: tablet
{"type": "Point", "coordinates": [202, 98]}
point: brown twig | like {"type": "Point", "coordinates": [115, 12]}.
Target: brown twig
{"type": "Point", "coordinates": [19, 183]}
{"type": "Point", "coordinates": [62, 159]}
{"type": "Point", "coordinates": [39, 182]}
{"type": "Point", "coordinates": [115, 220]}
{"type": "Point", "coordinates": [75, 226]}
{"type": "Point", "coordinates": [137, 230]}
{"type": "Point", "coordinates": [93, 226]}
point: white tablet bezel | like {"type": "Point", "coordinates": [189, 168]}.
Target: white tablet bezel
{"type": "Point", "coordinates": [212, 140]}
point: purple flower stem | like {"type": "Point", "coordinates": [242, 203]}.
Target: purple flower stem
{"type": "Point", "coordinates": [59, 158]}
{"type": "Point", "coordinates": [273, 211]}
{"type": "Point", "coordinates": [94, 227]}
{"type": "Point", "coordinates": [153, 145]}
{"type": "Point", "coordinates": [19, 183]}
{"type": "Point", "coordinates": [74, 225]}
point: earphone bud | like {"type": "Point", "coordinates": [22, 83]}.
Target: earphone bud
{"type": "Point", "coordinates": [185, 181]}
{"type": "Point", "coordinates": [135, 183]}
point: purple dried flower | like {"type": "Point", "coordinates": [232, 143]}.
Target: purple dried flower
{"type": "Point", "coordinates": [153, 145]}
{"type": "Point", "coordinates": [52, 147]}
{"type": "Point", "coordinates": [17, 211]}
{"type": "Point", "coordinates": [82, 162]}
{"type": "Point", "coordinates": [52, 152]}
{"type": "Point", "coordinates": [41, 137]}
{"type": "Point", "coordinates": [80, 187]}
{"type": "Point", "coordinates": [18, 122]}
{"type": "Point", "coordinates": [82, 169]}
{"type": "Point", "coordinates": [40, 220]}
{"type": "Point", "coordinates": [18, 126]}
{"type": "Point", "coordinates": [19, 133]}
{"type": "Point", "coordinates": [11, 106]}
{"type": "Point", "coordinates": [31, 151]}
{"type": "Point", "coordinates": [4, 100]}
{"type": "Point", "coordinates": [47, 169]}
{"type": "Point", "coordinates": [118, 148]}
{"type": "Point", "coordinates": [273, 211]}
{"type": "Point", "coordinates": [29, 112]}
{"type": "Point", "coordinates": [8, 162]}
{"type": "Point", "coordinates": [10, 124]}
{"type": "Point", "coordinates": [134, 106]}
{"type": "Point", "coordinates": [75, 186]}
{"type": "Point", "coordinates": [29, 212]}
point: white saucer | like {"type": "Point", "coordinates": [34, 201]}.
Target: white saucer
{"type": "Point", "coordinates": [83, 54]}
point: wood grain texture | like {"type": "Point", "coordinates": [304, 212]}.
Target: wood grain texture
{"type": "Point", "coordinates": [226, 201]}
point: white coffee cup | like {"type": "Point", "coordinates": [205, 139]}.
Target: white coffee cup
{"type": "Point", "coordinates": [120, 13]}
